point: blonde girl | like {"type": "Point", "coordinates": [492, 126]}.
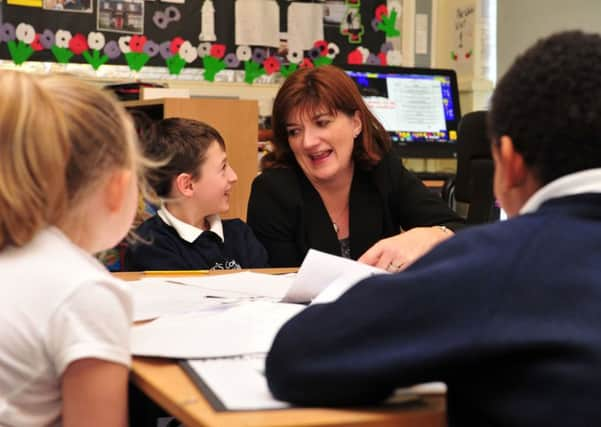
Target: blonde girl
{"type": "Point", "coordinates": [68, 168]}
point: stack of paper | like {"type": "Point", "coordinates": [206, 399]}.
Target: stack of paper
{"type": "Point", "coordinates": [321, 278]}
{"type": "Point", "coordinates": [225, 325]}
{"type": "Point", "coordinates": [155, 297]}
{"type": "Point", "coordinates": [239, 329]}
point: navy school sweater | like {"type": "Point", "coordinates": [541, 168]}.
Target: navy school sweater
{"type": "Point", "coordinates": [166, 250]}
{"type": "Point", "coordinates": [507, 315]}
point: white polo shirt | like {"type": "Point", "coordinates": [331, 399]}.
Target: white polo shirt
{"type": "Point", "coordinates": [587, 181]}
{"type": "Point", "coordinates": [58, 304]}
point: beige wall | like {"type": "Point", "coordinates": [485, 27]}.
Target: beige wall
{"type": "Point", "coordinates": [521, 22]}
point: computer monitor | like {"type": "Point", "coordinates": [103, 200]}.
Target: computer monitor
{"type": "Point", "coordinates": [419, 107]}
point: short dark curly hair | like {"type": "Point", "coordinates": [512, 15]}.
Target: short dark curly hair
{"type": "Point", "coordinates": [549, 103]}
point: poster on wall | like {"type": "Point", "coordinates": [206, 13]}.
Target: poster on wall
{"type": "Point", "coordinates": [248, 14]}
{"type": "Point", "coordinates": [333, 12]}
{"type": "Point", "coordinates": [121, 16]}
{"type": "Point", "coordinates": [461, 51]}
{"type": "Point", "coordinates": [305, 25]}
{"type": "Point", "coordinates": [456, 36]}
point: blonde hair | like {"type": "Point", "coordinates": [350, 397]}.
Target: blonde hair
{"type": "Point", "coordinates": [59, 137]}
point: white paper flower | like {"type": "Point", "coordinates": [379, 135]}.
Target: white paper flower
{"type": "Point", "coordinates": [394, 57]}
{"type": "Point", "coordinates": [295, 56]}
{"type": "Point", "coordinates": [25, 33]}
{"type": "Point", "coordinates": [244, 53]}
{"type": "Point", "coordinates": [333, 50]}
{"type": "Point", "coordinates": [187, 52]}
{"type": "Point", "coordinates": [204, 49]}
{"type": "Point", "coordinates": [364, 53]}
{"type": "Point", "coordinates": [96, 40]}
{"type": "Point", "coordinates": [124, 44]}
{"type": "Point", "coordinates": [62, 37]}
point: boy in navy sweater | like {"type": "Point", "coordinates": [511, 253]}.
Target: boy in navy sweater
{"type": "Point", "coordinates": [507, 314]}
{"type": "Point", "coordinates": [194, 184]}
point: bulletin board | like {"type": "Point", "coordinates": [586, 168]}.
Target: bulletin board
{"type": "Point", "coordinates": [211, 35]}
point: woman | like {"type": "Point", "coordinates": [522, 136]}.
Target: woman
{"type": "Point", "coordinates": [335, 185]}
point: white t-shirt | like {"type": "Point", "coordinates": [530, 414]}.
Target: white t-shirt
{"type": "Point", "coordinates": [58, 304]}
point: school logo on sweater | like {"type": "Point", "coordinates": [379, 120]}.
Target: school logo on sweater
{"type": "Point", "coordinates": [226, 265]}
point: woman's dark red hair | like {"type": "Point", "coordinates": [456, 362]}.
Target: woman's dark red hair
{"type": "Point", "coordinates": [328, 88]}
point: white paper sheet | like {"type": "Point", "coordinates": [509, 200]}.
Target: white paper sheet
{"type": "Point", "coordinates": [421, 34]}
{"type": "Point", "coordinates": [242, 285]}
{"type": "Point", "coordinates": [257, 23]}
{"type": "Point", "coordinates": [236, 330]}
{"type": "Point", "coordinates": [305, 25]}
{"type": "Point", "coordinates": [339, 286]}
{"type": "Point", "coordinates": [334, 11]}
{"type": "Point", "coordinates": [153, 298]}
{"type": "Point", "coordinates": [319, 270]}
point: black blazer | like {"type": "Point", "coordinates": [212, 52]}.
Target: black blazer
{"type": "Point", "coordinates": [288, 216]}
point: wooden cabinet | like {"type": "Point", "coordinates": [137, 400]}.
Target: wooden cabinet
{"type": "Point", "coordinates": [236, 120]}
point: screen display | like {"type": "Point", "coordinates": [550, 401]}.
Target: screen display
{"type": "Point", "coordinates": [418, 107]}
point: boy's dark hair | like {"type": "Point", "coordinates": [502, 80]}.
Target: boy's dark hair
{"type": "Point", "coordinates": [549, 103]}
{"type": "Point", "coordinates": [182, 145]}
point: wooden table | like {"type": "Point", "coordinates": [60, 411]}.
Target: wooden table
{"type": "Point", "coordinates": [166, 383]}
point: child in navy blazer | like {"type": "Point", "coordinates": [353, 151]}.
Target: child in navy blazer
{"type": "Point", "coordinates": [194, 183]}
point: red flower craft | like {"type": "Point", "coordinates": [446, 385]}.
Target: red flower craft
{"type": "Point", "coordinates": [137, 43]}
{"type": "Point", "coordinates": [355, 57]}
{"type": "Point", "coordinates": [306, 63]}
{"type": "Point", "coordinates": [78, 44]}
{"type": "Point", "coordinates": [218, 50]}
{"type": "Point", "coordinates": [381, 10]}
{"type": "Point", "coordinates": [176, 43]}
{"type": "Point", "coordinates": [271, 65]}
{"type": "Point", "coordinates": [35, 44]}
{"type": "Point", "coordinates": [323, 47]}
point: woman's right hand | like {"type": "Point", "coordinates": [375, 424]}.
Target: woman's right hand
{"type": "Point", "coordinates": [396, 253]}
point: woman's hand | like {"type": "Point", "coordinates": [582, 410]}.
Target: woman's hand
{"type": "Point", "coordinates": [399, 252]}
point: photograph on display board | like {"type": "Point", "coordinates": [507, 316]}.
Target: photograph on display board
{"type": "Point", "coordinates": [121, 16]}
{"type": "Point", "coordinates": [81, 6]}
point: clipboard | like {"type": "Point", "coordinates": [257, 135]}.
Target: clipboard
{"type": "Point", "coordinates": [228, 394]}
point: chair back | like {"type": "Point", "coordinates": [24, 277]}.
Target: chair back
{"type": "Point", "coordinates": [475, 169]}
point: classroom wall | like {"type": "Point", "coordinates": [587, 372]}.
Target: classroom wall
{"type": "Point", "coordinates": [521, 22]}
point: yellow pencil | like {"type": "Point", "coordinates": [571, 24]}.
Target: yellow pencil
{"type": "Point", "coordinates": [174, 272]}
